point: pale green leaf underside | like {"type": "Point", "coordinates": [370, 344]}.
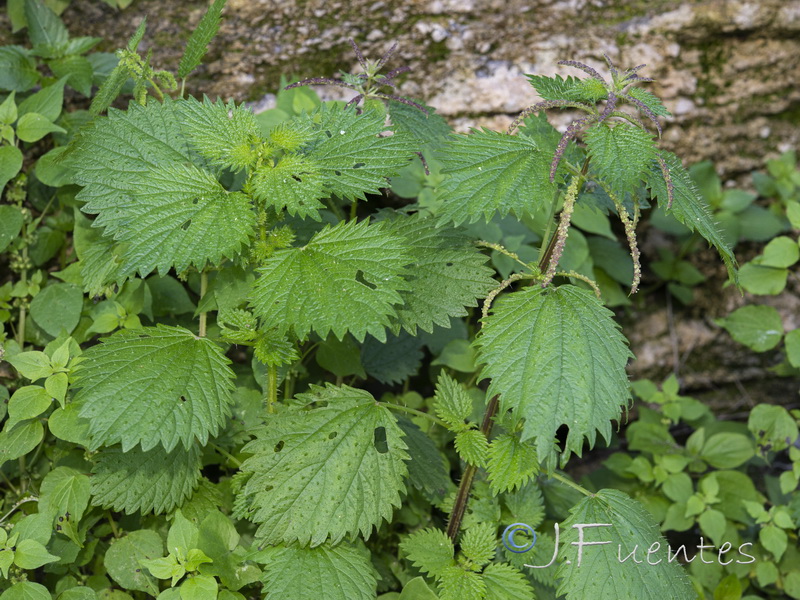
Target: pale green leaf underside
{"type": "Point", "coordinates": [688, 205]}
{"type": "Point", "coordinates": [342, 572]}
{"type": "Point", "coordinates": [347, 278]}
{"type": "Point", "coordinates": [492, 173]}
{"type": "Point", "coordinates": [556, 357]}
{"type": "Point", "coordinates": [601, 575]}
{"type": "Point", "coordinates": [447, 274]}
{"type": "Point", "coordinates": [138, 179]}
{"type": "Point", "coordinates": [156, 385]}
{"type": "Point", "coordinates": [155, 480]}
{"type": "Point", "coordinates": [327, 472]}
{"type": "Point", "coordinates": [198, 42]}
{"type": "Point", "coordinates": [351, 156]}
{"type": "Point", "coordinates": [620, 155]}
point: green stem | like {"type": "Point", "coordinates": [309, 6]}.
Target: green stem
{"type": "Point", "coordinates": [9, 484]}
{"type": "Point", "coordinates": [157, 89]}
{"type": "Point", "coordinates": [354, 210]}
{"type": "Point", "coordinates": [334, 208]}
{"type": "Point", "coordinates": [23, 277]}
{"type": "Point", "coordinates": [226, 454]}
{"type": "Point", "coordinates": [272, 387]}
{"type": "Point", "coordinates": [203, 290]}
{"type": "Point", "coordinates": [183, 86]}
{"type": "Point", "coordinates": [114, 530]}
{"type": "Point", "coordinates": [17, 505]}
{"type": "Point", "coordinates": [547, 241]}
{"type": "Point", "coordinates": [414, 411]}
{"type": "Point", "coordinates": [570, 483]}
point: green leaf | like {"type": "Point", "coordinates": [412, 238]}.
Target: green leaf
{"type": "Point", "coordinates": [218, 539]}
{"type": "Point", "coordinates": [77, 70]}
{"type": "Point", "coordinates": [756, 326]}
{"type": "Point", "coordinates": [26, 590]}
{"type": "Point", "coordinates": [352, 157]}
{"type": "Point", "coordinates": [426, 469]}
{"type": "Point", "coordinates": [728, 589]}
{"type": "Point", "coordinates": [47, 102]}
{"type": "Point", "coordinates": [688, 206]}
{"type": "Point", "coordinates": [757, 279]}
{"type": "Point", "coordinates": [32, 127]}
{"type": "Point", "coordinates": [650, 100]}
{"type": "Point", "coordinates": [394, 360]}
{"type": "Point", "coordinates": [542, 348]}
{"type": "Point", "coordinates": [426, 128]}
{"type": "Point", "coordinates": [45, 30]}
{"type": "Point", "coordinates": [50, 171]}
{"type": "Point", "coordinates": [504, 582]}
{"type": "Point", "coordinates": [417, 589]}
{"type": "Point", "coordinates": [727, 450]}
{"type": "Point", "coordinates": [123, 556]}
{"type": "Point", "coordinates": [451, 402]}
{"type": "Point", "coordinates": [155, 385]}
{"type": "Point", "coordinates": [20, 440]}
{"type": "Point", "coordinates": [554, 88]}
{"type": "Point", "coordinates": [65, 424]}
{"type": "Point", "coordinates": [27, 402]}
{"type": "Point", "coordinates": [199, 587]}
{"type": "Point", "coordinates": [792, 341]}
{"type": "Point", "coordinates": [492, 173]}
{"type": "Point", "coordinates": [57, 308]}
{"type": "Point", "coordinates": [598, 572]}
{"type": "Point", "coordinates": [10, 216]}
{"type": "Point", "coordinates": [457, 583]}
{"type": "Point", "coordinates": [201, 37]}
{"type": "Point", "coordinates": [165, 568]}
{"type": "Point", "coordinates": [356, 271]}
{"type": "Point", "coordinates": [17, 69]}
{"type": "Point", "coordinates": [294, 183]}
{"type": "Point", "coordinates": [64, 493]}
{"type": "Point", "coordinates": [479, 542]}
{"type": "Point", "coordinates": [472, 447]}
{"type": "Point", "coordinates": [182, 534]}
{"type": "Point", "coordinates": [8, 110]}
{"type": "Point", "coordinates": [342, 572]}
{"type": "Point", "coordinates": [32, 555]}
{"type": "Point", "coordinates": [449, 274]}
{"type": "Point", "coordinates": [222, 133]}
{"type": "Point", "coordinates": [429, 550]}
{"type": "Point", "coordinates": [155, 480]}
{"type": "Point", "coordinates": [772, 424]}
{"type": "Point", "coordinates": [781, 252]}
{"type": "Point", "coordinates": [511, 463]}
{"type": "Point", "coordinates": [773, 539]}
{"type": "Point", "coordinates": [457, 354]}
{"type": "Point", "coordinates": [620, 155]}
{"type": "Point", "coordinates": [325, 472]}
{"type": "Point", "coordinates": [713, 524]}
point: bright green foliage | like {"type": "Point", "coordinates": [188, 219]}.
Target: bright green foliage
{"type": "Point", "coordinates": [350, 155]}
{"type": "Point", "coordinates": [123, 556]}
{"type": "Point", "coordinates": [167, 213]}
{"type": "Point", "coordinates": [201, 37]}
{"type": "Point", "coordinates": [542, 349]}
{"type": "Point", "coordinates": [222, 133]}
{"type": "Point", "coordinates": [600, 574]}
{"type": "Point", "coordinates": [155, 480]}
{"type": "Point", "coordinates": [504, 582]}
{"type": "Point", "coordinates": [346, 279]}
{"type": "Point", "coordinates": [341, 572]}
{"type": "Point", "coordinates": [511, 463]}
{"type": "Point", "coordinates": [64, 491]}
{"type": "Point", "coordinates": [472, 447]}
{"type": "Point", "coordinates": [687, 204]}
{"type": "Point", "coordinates": [554, 88]}
{"type": "Point", "coordinates": [458, 583]}
{"type": "Point", "coordinates": [157, 385]}
{"type": "Point", "coordinates": [46, 31]}
{"type": "Point", "coordinates": [757, 326]}
{"type": "Point", "coordinates": [493, 173]}
{"type": "Point", "coordinates": [430, 550]}
{"type": "Point", "coordinates": [621, 155]}
{"type": "Point", "coordinates": [452, 403]}
{"type": "Point", "coordinates": [650, 100]}
{"type": "Point", "coordinates": [325, 472]}
{"type": "Point", "coordinates": [479, 543]}
{"type": "Point", "coordinates": [294, 183]}
{"type": "Point", "coordinates": [447, 274]}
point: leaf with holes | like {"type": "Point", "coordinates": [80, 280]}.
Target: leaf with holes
{"type": "Point", "coordinates": [346, 279]}
{"type": "Point", "coordinates": [155, 385]}
{"type": "Point", "coordinates": [556, 357]}
{"type": "Point", "coordinates": [294, 183]}
{"type": "Point", "coordinates": [324, 473]}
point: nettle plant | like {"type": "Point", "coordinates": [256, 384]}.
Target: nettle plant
{"type": "Point", "coordinates": [217, 446]}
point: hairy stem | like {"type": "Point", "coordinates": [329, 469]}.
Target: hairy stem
{"type": "Point", "coordinates": [570, 483]}
{"type": "Point", "coordinates": [203, 290]}
{"type": "Point", "coordinates": [226, 454]}
{"type": "Point", "coordinates": [563, 229]}
{"type": "Point", "coordinates": [272, 387]}
{"type": "Point", "coordinates": [465, 486]}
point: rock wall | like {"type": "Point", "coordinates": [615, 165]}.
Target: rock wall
{"type": "Point", "coordinates": [727, 69]}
